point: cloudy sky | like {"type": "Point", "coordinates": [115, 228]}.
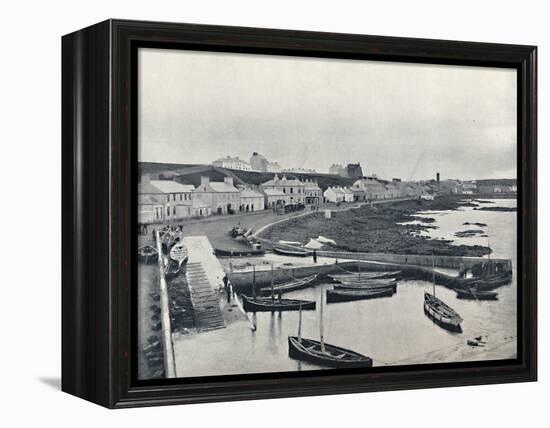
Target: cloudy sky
{"type": "Point", "coordinates": [396, 119]}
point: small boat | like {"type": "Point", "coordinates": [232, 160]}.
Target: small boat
{"type": "Point", "coordinates": [439, 312]}
{"type": "Point", "coordinates": [147, 254]}
{"type": "Point", "coordinates": [321, 353]}
{"type": "Point", "coordinates": [295, 284]}
{"type": "Point", "coordinates": [295, 252]}
{"type": "Point", "coordinates": [393, 286]}
{"type": "Point", "coordinates": [365, 275]}
{"type": "Point", "coordinates": [491, 283]}
{"type": "Point", "coordinates": [347, 295]}
{"type": "Point", "coordinates": [269, 304]}
{"type": "Point", "coordinates": [179, 253]}
{"type": "Point", "coordinates": [374, 282]}
{"type": "Point", "coordinates": [172, 269]}
{"type": "Point", "coordinates": [474, 294]}
{"type": "Point", "coordinates": [238, 253]}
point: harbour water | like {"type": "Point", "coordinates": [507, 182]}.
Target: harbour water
{"type": "Point", "coordinates": [391, 330]}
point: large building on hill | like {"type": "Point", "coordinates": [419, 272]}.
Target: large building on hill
{"type": "Point", "coordinates": [337, 169]}
{"type": "Point", "coordinates": [163, 200]}
{"type": "Point", "coordinates": [232, 163]}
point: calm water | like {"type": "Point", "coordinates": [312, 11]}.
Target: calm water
{"type": "Point", "coordinates": [389, 330]}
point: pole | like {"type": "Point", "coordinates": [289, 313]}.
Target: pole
{"type": "Point", "coordinates": [300, 324]}
{"type": "Point", "coordinates": [433, 272]}
{"type": "Point", "coordinates": [254, 282]}
{"type": "Point", "coordinates": [359, 269]}
{"type": "Point", "coordinates": [321, 332]}
{"type": "Point", "coordinates": [272, 287]}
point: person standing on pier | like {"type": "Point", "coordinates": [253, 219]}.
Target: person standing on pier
{"type": "Point", "coordinates": [227, 287]}
{"type": "Point", "coordinates": [314, 256]}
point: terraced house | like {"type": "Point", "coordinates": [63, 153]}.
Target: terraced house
{"type": "Point", "coordinates": [222, 197]}
{"type": "Point", "coordinates": [292, 188]}
{"type": "Point", "coordinates": [163, 200]}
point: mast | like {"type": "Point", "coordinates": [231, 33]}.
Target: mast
{"type": "Point", "coordinates": [272, 295]}
{"type": "Point", "coordinates": [433, 272]}
{"type": "Point", "coordinates": [300, 324]}
{"type": "Point", "coordinates": [254, 282]}
{"type": "Point", "coordinates": [359, 270]}
{"type": "Point", "coordinates": [322, 338]}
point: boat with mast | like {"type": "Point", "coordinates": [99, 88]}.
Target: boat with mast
{"type": "Point", "coordinates": [438, 311]}
{"type": "Point", "coordinates": [321, 353]}
{"type": "Point", "coordinates": [272, 304]}
{"type": "Point", "coordinates": [295, 284]}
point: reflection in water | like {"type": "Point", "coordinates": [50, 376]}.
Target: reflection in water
{"type": "Point", "coordinates": [389, 330]}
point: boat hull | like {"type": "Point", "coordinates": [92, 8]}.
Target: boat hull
{"type": "Point", "coordinates": [310, 351]}
{"type": "Point", "coordinates": [147, 255]}
{"type": "Point", "coordinates": [297, 284]}
{"type": "Point", "coordinates": [476, 295]}
{"type": "Point", "coordinates": [343, 295]}
{"type": "Point", "coordinates": [266, 304]}
{"type": "Point", "coordinates": [365, 275]}
{"type": "Point", "coordinates": [449, 321]}
{"type": "Point", "coordinates": [393, 286]}
{"type": "Point", "coordinates": [293, 253]}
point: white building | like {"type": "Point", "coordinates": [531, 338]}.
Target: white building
{"type": "Point", "coordinates": [251, 200]}
{"type": "Point", "coordinates": [163, 200]}
{"type": "Point", "coordinates": [232, 163]}
{"type": "Point", "coordinates": [334, 194]}
{"type": "Point", "coordinates": [348, 194]}
{"type": "Point", "coordinates": [292, 188]}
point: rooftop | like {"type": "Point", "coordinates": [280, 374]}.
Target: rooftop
{"type": "Point", "coordinates": [164, 186]}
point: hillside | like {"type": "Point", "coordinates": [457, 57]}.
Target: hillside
{"type": "Point", "coordinates": [191, 174]}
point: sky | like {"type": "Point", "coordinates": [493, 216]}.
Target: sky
{"type": "Point", "coordinates": [397, 119]}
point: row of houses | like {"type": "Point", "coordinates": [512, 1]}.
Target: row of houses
{"type": "Point", "coordinates": [168, 200]}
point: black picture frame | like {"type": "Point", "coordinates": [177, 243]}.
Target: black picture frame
{"type": "Point", "coordinates": [98, 191]}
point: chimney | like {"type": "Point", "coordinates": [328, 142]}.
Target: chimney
{"type": "Point", "coordinates": [228, 180]}
{"type": "Point", "coordinates": [205, 181]}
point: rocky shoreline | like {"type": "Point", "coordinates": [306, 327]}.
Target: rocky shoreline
{"type": "Point", "coordinates": [378, 229]}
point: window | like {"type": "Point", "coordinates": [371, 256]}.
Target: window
{"type": "Point", "coordinates": [168, 211]}
{"type": "Point", "coordinates": [174, 210]}
{"type": "Point", "coordinates": [181, 197]}
{"type": "Point", "coordinates": [291, 190]}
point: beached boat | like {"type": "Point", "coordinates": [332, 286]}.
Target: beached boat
{"type": "Point", "coordinates": [473, 294]}
{"type": "Point", "coordinates": [295, 284]}
{"type": "Point", "coordinates": [269, 304]}
{"type": "Point", "coordinates": [439, 312]}
{"type": "Point", "coordinates": [392, 285]}
{"type": "Point", "coordinates": [147, 254]}
{"type": "Point", "coordinates": [348, 295]}
{"type": "Point", "coordinates": [321, 353]}
{"type": "Point", "coordinates": [242, 252]}
{"type": "Point", "coordinates": [295, 252]}
{"type": "Point", "coordinates": [179, 253]}
{"type": "Point", "coordinates": [365, 275]}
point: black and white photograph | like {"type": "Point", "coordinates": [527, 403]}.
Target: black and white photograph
{"type": "Point", "coordinates": [299, 214]}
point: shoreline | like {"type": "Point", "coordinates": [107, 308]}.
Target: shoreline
{"type": "Point", "coordinates": [392, 227]}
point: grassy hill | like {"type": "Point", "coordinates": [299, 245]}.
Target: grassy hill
{"type": "Point", "coordinates": [191, 174]}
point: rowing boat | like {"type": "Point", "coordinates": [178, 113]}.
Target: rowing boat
{"type": "Point", "coordinates": [295, 284]}
{"type": "Point", "coordinates": [147, 254]}
{"type": "Point", "coordinates": [473, 294]}
{"type": "Point", "coordinates": [378, 282]}
{"type": "Point", "coordinates": [332, 356]}
{"type": "Point", "coordinates": [295, 252]}
{"type": "Point", "coordinates": [268, 304]}
{"type": "Point", "coordinates": [321, 353]}
{"type": "Point", "coordinates": [364, 275]}
{"type": "Point", "coordinates": [392, 285]}
{"type": "Point", "coordinates": [441, 313]}
{"type": "Point", "coordinates": [347, 295]}
{"type": "Point", "coordinates": [179, 253]}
